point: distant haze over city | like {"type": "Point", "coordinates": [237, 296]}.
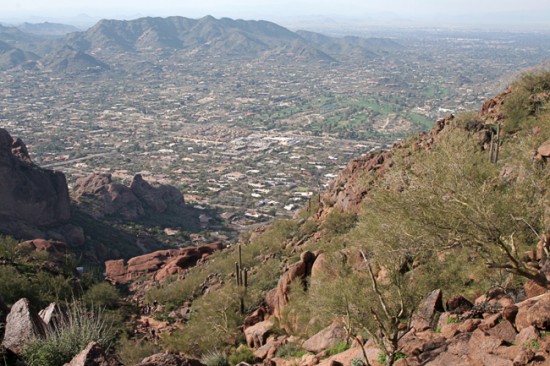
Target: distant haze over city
{"type": "Point", "coordinates": [500, 15]}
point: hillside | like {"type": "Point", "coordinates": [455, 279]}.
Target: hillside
{"type": "Point", "coordinates": [459, 210]}
{"type": "Point", "coordinates": [431, 253]}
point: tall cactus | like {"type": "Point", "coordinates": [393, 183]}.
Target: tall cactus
{"type": "Point", "coordinates": [241, 276]}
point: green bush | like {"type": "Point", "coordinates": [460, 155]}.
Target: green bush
{"type": "Point", "coordinates": [132, 351]}
{"type": "Point", "coordinates": [290, 350]}
{"type": "Point", "coordinates": [103, 295]}
{"type": "Point", "coordinates": [338, 348]}
{"type": "Point", "coordinates": [339, 222]}
{"type": "Point", "coordinates": [241, 354]}
{"type": "Point", "coordinates": [383, 358]}
{"type": "Point", "coordinates": [72, 335]}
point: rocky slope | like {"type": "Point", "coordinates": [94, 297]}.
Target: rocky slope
{"type": "Point", "coordinates": [461, 206]}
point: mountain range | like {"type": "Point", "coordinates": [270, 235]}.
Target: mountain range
{"type": "Point", "coordinates": [205, 37]}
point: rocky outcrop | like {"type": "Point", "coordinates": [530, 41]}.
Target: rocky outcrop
{"type": "Point", "coordinates": [158, 265]}
{"type": "Point", "coordinates": [55, 249]}
{"type": "Point", "coordinates": [492, 108]}
{"type": "Point", "coordinates": [94, 355]}
{"type": "Point", "coordinates": [278, 297]}
{"type": "Point", "coordinates": [99, 196]}
{"type": "Point", "coordinates": [256, 335]}
{"type": "Point", "coordinates": [169, 359]}
{"type": "Point", "coordinates": [355, 181]}
{"type": "Point", "coordinates": [22, 325]}
{"type": "Point", "coordinates": [29, 195]}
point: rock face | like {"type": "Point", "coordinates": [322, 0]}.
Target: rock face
{"type": "Point", "coordinates": [101, 197]}
{"type": "Point", "coordinates": [160, 264]}
{"type": "Point", "coordinates": [346, 193]}
{"type": "Point", "coordinates": [278, 297]}
{"type": "Point", "coordinates": [94, 355]}
{"type": "Point", "coordinates": [29, 195]}
{"type": "Point", "coordinates": [22, 324]}
{"type": "Point", "coordinates": [107, 198]}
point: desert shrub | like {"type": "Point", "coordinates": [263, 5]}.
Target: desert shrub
{"type": "Point", "coordinates": [338, 348]}
{"type": "Point", "coordinates": [339, 222]}
{"type": "Point", "coordinates": [72, 335]}
{"type": "Point", "coordinates": [466, 119]}
{"type": "Point", "coordinates": [103, 295]}
{"type": "Point", "coordinates": [14, 285]}
{"type": "Point", "coordinates": [215, 358]}
{"type": "Point", "coordinates": [214, 321]}
{"type": "Point", "coordinates": [8, 249]}
{"type": "Point", "coordinates": [290, 350]}
{"type": "Point", "coordinates": [529, 95]}
{"type": "Point", "coordinates": [132, 351]}
{"type": "Point", "coordinates": [241, 354]}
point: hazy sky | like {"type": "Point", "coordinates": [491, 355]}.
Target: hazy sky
{"type": "Point", "coordinates": [277, 9]}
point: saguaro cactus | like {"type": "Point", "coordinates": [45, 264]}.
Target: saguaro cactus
{"type": "Point", "coordinates": [241, 276]}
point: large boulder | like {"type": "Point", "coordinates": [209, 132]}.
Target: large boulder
{"type": "Point", "coordinates": [22, 325]}
{"type": "Point", "coordinates": [326, 338]}
{"type": "Point", "coordinates": [256, 335]}
{"type": "Point", "coordinates": [544, 150]}
{"type": "Point", "coordinates": [29, 195]}
{"type": "Point", "coordinates": [534, 311]}
{"type": "Point", "coordinates": [94, 355]}
{"type": "Point", "coordinates": [425, 316]}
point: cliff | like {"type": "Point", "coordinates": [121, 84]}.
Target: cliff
{"type": "Point", "coordinates": [29, 195]}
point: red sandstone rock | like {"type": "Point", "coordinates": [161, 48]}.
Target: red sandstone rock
{"type": "Point", "coordinates": [160, 264]}
{"type": "Point", "coordinates": [326, 338]}
{"type": "Point", "coordinates": [534, 311]}
{"type": "Point", "coordinates": [256, 335]}
{"type": "Point", "coordinates": [424, 317]}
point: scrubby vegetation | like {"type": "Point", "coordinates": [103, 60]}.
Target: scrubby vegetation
{"type": "Point", "coordinates": [449, 217]}
{"type": "Point", "coordinates": [70, 336]}
{"type": "Point", "coordinates": [448, 214]}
